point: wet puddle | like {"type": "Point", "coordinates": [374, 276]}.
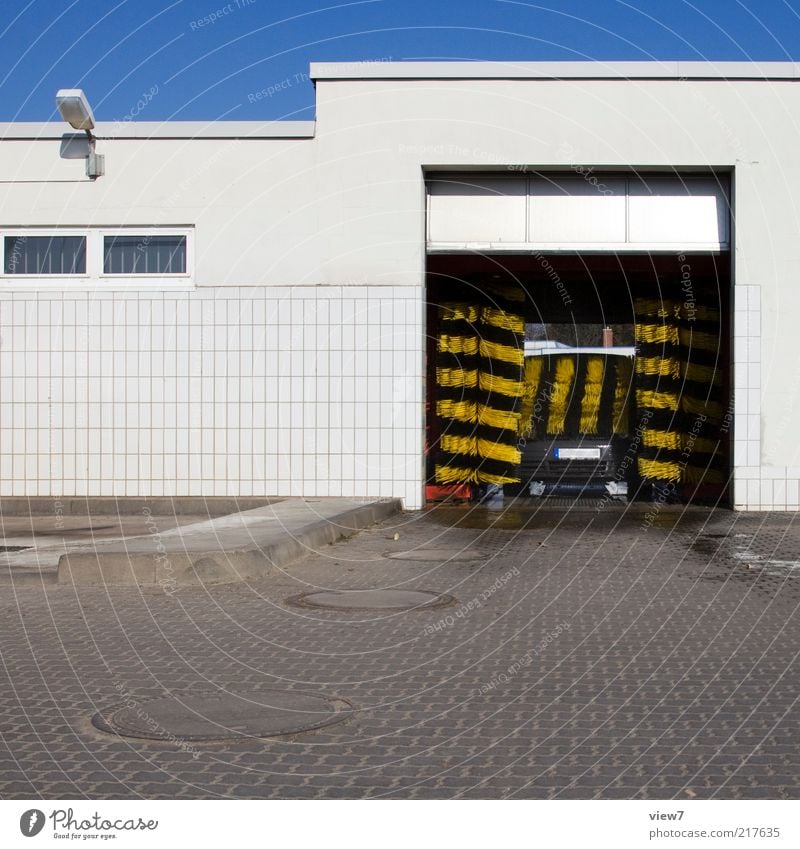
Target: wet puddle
{"type": "Point", "coordinates": [746, 557]}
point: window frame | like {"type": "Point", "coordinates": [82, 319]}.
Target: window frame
{"type": "Point", "coordinates": [95, 276]}
{"type": "Point", "coordinates": [16, 233]}
{"type": "Point", "coordinates": [155, 232]}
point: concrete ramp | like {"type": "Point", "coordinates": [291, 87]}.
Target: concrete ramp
{"type": "Point", "coordinates": [229, 548]}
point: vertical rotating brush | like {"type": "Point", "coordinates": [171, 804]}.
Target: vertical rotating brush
{"type": "Point", "coordinates": [479, 376]}
{"type": "Point", "coordinates": [678, 388]}
{"type": "Point", "coordinates": [573, 396]}
{"type": "Point", "coordinates": [658, 388]}
{"type": "Point", "coordinates": [701, 399]}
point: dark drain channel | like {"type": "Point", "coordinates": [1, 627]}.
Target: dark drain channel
{"type": "Point", "coordinates": [270, 713]}
{"type": "Point", "coordinates": [377, 600]}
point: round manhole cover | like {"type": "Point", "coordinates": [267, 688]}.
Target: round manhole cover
{"type": "Point", "coordinates": [438, 555]}
{"type": "Point", "coordinates": [371, 600]}
{"type": "Point", "coordinates": [226, 716]}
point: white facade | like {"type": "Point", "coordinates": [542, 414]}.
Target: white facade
{"type": "Point", "coordinates": [289, 359]}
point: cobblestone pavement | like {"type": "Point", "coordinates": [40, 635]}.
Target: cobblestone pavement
{"type": "Point", "coordinates": [589, 655]}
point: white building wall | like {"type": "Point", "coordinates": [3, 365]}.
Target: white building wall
{"type": "Point", "coordinates": [345, 211]}
{"type": "Point", "coordinates": [747, 126]}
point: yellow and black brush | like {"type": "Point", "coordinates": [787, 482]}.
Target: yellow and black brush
{"type": "Point", "coordinates": [678, 386]}
{"type": "Point", "coordinates": [480, 387]}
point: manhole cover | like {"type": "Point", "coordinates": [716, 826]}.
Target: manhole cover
{"type": "Point", "coordinates": [371, 599]}
{"type": "Point", "coordinates": [270, 713]}
{"type": "Point", "coordinates": [438, 555]}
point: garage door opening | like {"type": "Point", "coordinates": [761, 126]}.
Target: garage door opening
{"type": "Point", "coordinates": [580, 374]}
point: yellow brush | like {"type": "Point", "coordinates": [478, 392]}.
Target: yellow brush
{"type": "Point", "coordinates": [593, 387]}
{"type": "Point", "coordinates": [559, 397]}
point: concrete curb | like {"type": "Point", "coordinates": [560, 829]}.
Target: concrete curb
{"type": "Point", "coordinates": [175, 569]}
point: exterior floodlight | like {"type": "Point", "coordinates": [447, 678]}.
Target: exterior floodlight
{"type": "Point", "coordinates": [75, 109]}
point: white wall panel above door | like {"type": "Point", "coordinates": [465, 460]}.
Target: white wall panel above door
{"type": "Point", "coordinates": [674, 211]}
{"type": "Point", "coordinates": [479, 210]}
{"type": "Point", "coordinates": [571, 212]}
{"type": "Point", "coordinates": [570, 209]}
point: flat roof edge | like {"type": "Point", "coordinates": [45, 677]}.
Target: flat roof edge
{"type": "Point", "coordinates": [554, 70]}
{"type": "Point", "coordinates": [111, 130]}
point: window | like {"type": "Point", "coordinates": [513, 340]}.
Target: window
{"type": "Point", "coordinates": [35, 255]}
{"type": "Point", "coordinates": [97, 257]}
{"type": "Point", "coordinates": [144, 254]}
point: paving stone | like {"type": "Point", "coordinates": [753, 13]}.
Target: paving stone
{"type": "Point", "coordinates": [625, 664]}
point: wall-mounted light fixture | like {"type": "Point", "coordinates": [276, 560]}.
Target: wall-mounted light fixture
{"type": "Point", "coordinates": [75, 110]}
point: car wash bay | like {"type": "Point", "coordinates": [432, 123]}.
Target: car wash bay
{"type": "Point", "coordinates": [527, 280]}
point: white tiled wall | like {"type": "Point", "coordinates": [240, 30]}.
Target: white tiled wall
{"type": "Point", "coordinates": [310, 391]}
{"type": "Point", "coordinates": [755, 487]}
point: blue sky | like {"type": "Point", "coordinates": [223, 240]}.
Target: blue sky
{"type": "Point", "coordinates": [203, 59]}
